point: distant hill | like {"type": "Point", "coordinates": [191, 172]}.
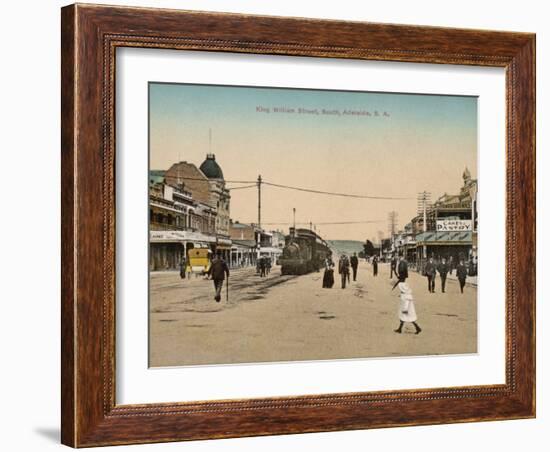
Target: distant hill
{"type": "Point", "coordinates": [346, 246]}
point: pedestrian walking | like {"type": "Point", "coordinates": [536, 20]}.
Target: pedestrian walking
{"type": "Point", "coordinates": [471, 267]}
{"type": "Point", "coordinates": [183, 265]}
{"type": "Point", "coordinates": [217, 272]}
{"type": "Point", "coordinates": [343, 269]}
{"type": "Point", "coordinates": [429, 272]}
{"type": "Point", "coordinates": [443, 269]}
{"type": "Point", "coordinates": [406, 310]}
{"type": "Point", "coordinates": [375, 266]}
{"type": "Point", "coordinates": [461, 273]}
{"type": "Point", "coordinates": [452, 264]}
{"type": "Point", "coordinates": [354, 261]}
{"type": "Point", "coordinates": [402, 269]}
{"type": "Point", "coordinates": [262, 266]}
{"type": "Point", "coordinates": [328, 277]}
{"type": "Point", "coordinates": [393, 266]}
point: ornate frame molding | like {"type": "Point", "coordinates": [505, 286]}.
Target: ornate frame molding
{"type": "Point", "coordinates": [90, 37]}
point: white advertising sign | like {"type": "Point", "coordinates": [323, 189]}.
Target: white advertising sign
{"type": "Point", "coordinates": [454, 225]}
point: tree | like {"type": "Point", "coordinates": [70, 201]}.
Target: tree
{"type": "Point", "coordinates": [368, 248]}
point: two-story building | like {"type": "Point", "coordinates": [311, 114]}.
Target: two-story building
{"type": "Point", "coordinates": [207, 185]}
{"type": "Point", "coordinates": [451, 224]}
{"type": "Point", "coordinates": [177, 223]}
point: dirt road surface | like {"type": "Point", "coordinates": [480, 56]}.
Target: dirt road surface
{"type": "Point", "coordinates": [288, 318]}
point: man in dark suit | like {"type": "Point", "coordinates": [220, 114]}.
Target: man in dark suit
{"type": "Point", "coordinates": [402, 269]}
{"type": "Point", "coordinates": [443, 269]}
{"type": "Point", "coordinates": [375, 266]}
{"type": "Point", "coordinates": [429, 271]}
{"type": "Point", "coordinates": [262, 266]}
{"type": "Point", "coordinates": [354, 261]}
{"type": "Point", "coordinates": [217, 272]}
{"type": "Point", "coordinates": [461, 273]}
{"type": "Point", "coordinates": [393, 266]}
{"type": "Point", "coordinates": [343, 269]}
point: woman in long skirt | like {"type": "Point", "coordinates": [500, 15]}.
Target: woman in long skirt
{"type": "Point", "coordinates": [328, 277]}
{"type": "Point", "coordinates": [407, 312]}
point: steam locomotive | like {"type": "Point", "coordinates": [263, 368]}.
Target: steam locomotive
{"type": "Point", "coordinates": [304, 252]}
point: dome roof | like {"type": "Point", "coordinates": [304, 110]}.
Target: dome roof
{"type": "Point", "coordinates": [210, 168]}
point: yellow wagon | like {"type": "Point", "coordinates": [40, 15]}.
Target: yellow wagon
{"type": "Point", "coordinates": [198, 261]}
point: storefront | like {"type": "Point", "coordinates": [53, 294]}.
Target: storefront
{"type": "Point", "coordinates": [271, 252]}
{"type": "Point", "coordinates": [243, 253]}
{"type": "Point", "coordinates": [446, 244]}
{"type": "Point", "coordinates": [167, 249]}
{"type": "Point", "coordinates": [222, 246]}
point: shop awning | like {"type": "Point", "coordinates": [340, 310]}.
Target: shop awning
{"type": "Point", "coordinates": [444, 238]}
{"type": "Point", "coordinates": [180, 237]}
{"type": "Point", "coordinates": [270, 250]}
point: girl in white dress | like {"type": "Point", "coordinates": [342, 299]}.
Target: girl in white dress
{"type": "Point", "coordinates": [407, 312]}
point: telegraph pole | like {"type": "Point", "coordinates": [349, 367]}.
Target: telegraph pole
{"type": "Point", "coordinates": [259, 215]}
{"type": "Point", "coordinates": [392, 224]}
{"type": "Point", "coordinates": [423, 202]}
{"type": "Point", "coordinates": [259, 201]}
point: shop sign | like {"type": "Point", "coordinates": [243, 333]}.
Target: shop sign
{"type": "Point", "coordinates": [454, 225]}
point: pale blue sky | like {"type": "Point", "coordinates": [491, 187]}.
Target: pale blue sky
{"type": "Point", "coordinates": [424, 144]}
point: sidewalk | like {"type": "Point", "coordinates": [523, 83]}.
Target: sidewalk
{"type": "Point", "coordinates": [274, 268]}
{"type": "Point", "coordinates": [470, 280]}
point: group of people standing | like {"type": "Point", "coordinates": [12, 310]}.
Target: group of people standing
{"type": "Point", "coordinates": [444, 268]}
{"type": "Point", "coordinates": [264, 265]}
{"type": "Point", "coordinates": [345, 263]}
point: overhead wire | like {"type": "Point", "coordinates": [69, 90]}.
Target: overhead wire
{"type": "Point", "coordinates": [346, 195]}
{"type": "Point", "coordinates": [302, 189]}
{"type": "Point", "coordinates": [316, 223]}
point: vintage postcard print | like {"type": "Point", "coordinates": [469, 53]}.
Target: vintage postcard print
{"type": "Point", "coordinates": [300, 224]}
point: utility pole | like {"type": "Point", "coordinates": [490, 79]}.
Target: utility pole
{"type": "Point", "coordinates": [259, 201]}
{"type": "Point", "coordinates": [392, 224]}
{"type": "Point", "coordinates": [259, 215]}
{"type": "Point", "coordinates": [423, 204]}
{"type": "Point", "coordinates": [380, 239]}
{"type": "Point", "coordinates": [294, 218]}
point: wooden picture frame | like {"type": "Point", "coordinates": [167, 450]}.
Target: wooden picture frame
{"type": "Point", "coordinates": [90, 36]}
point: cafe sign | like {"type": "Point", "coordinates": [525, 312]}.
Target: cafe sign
{"type": "Point", "coordinates": [454, 225]}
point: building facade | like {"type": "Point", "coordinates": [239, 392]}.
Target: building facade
{"type": "Point", "coordinates": [404, 244]}
{"type": "Point", "coordinates": [177, 223]}
{"type": "Point", "coordinates": [451, 225]}
{"type": "Point", "coordinates": [244, 249]}
{"type": "Point", "coordinates": [219, 196]}
{"type": "Point", "coordinates": [206, 185]}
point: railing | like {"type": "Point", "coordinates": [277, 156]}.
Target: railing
{"type": "Point", "coordinates": [155, 226]}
